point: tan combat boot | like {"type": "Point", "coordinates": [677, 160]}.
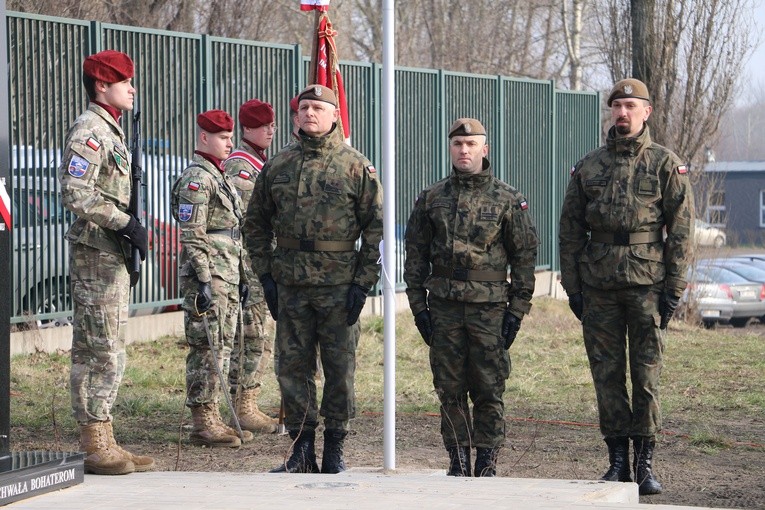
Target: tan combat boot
{"type": "Point", "coordinates": [101, 458]}
{"type": "Point", "coordinates": [209, 430]}
{"type": "Point", "coordinates": [141, 462]}
{"type": "Point", "coordinates": [250, 417]}
{"type": "Point", "coordinates": [231, 430]}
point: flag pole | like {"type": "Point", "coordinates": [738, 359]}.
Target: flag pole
{"type": "Point", "coordinates": [389, 234]}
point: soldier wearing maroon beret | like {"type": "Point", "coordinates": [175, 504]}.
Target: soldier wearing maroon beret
{"type": "Point", "coordinates": [208, 209]}
{"type": "Point", "coordinates": [250, 362]}
{"type": "Point", "coordinates": [96, 186]}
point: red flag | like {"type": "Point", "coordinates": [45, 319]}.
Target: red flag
{"type": "Point", "coordinates": [324, 69]}
{"type": "Point", "coordinates": [311, 5]}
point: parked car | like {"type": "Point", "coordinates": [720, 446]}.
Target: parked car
{"type": "Point", "coordinates": [757, 260]}
{"type": "Point", "coordinates": [707, 235]}
{"type": "Point", "coordinates": [718, 295]}
{"type": "Point", "coordinates": [749, 271]}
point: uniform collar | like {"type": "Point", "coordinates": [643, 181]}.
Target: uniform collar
{"type": "Point", "coordinates": [212, 159]}
{"type": "Point", "coordinates": [320, 143]}
{"type": "Point", "coordinates": [260, 152]}
{"type": "Point", "coordinates": [114, 112]}
{"type": "Point", "coordinates": [628, 146]}
{"type": "Point", "coordinates": [473, 180]}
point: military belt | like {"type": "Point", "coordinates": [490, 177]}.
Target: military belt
{"type": "Point", "coordinates": [626, 238]}
{"type": "Point", "coordinates": [234, 232]}
{"type": "Point", "coordinates": [469, 275]}
{"type": "Point", "coordinates": [314, 245]}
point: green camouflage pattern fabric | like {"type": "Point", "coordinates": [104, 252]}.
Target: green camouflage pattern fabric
{"type": "Point", "coordinates": [258, 347]}
{"type": "Point", "coordinates": [95, 186]}
{"type": "Point", "coordinates": [243, 176]}
{"type": "Point", "coordinates": [316, 189]}
{"type": "Point", "coordinates": [609, 318]}
{"type": "Point", "coordinates": [100, 287]}
{"type": "Point", "coordinates": [476, 222]}
{"type": "Point", "coordinates": [95, 180]}
{"type": "Point", "coordinates": [468, 359]}
{"type": "Point", "coordinates": [208, 198]}
{"type": "Point", "coordinates": [202, 383]}
{"type": "Point", "coordinates": [311, 316]}
{"type": "Point", "coordinates": [627, 185]}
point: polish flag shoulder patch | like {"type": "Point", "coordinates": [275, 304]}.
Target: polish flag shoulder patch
{"type": "Point", "coordinates": [194, 186]}
{"type": "Point", "coordinates": [523, 205]}
{"type": "Point", "coordinates": [682, 169]}
{"type": "Point", "coordinates": [572, 171]}
{"type": "Point", "coordinates": [93, 143]}
{"type": "Point", "coordinates": [244, 174]}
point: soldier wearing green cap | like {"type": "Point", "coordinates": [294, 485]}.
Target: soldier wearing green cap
{"type": "Point", "coordinates": [462, 234]}
{"type": "Point", "coordinates": [625, 240]}
{"type": "Point", "coordinates": [316, 198]}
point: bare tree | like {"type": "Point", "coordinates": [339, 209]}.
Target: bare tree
{"type": "Point", "coordinates": [690, 53]}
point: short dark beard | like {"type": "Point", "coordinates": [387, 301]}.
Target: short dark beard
{"type": "Point", "coordinates": [622, 130]}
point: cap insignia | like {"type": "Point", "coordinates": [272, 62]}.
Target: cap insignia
{"type": "Point", "coordinates": [317, 91]}
{"type": "Point", "coordinates": [628, 89]}
{"type": "Point", "coordinates": [466, 126]}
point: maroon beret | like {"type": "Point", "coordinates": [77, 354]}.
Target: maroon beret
{"type": "Point", "coordinates": [255, 113]}
{"type": "Point", "coordinates": [215, 121]}
{"type": "Point", "coordinates": [294, 103]}
{"type": "Point", "coordinates": [109, 66]}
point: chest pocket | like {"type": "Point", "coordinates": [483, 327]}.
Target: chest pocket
{"type": "Point", "coordinates": [121, 160]}
{"type": "Point", "coordinates": [594, 188]}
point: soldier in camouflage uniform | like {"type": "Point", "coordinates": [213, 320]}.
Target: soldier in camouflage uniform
{"type": "Point", "coordinates": [209, 212]}
{"type": "Point", "coordinates": [96, 186]}
{"type": "Point", "coordinates": [463, 232]}
{"type": "Point", "coordinates": [317, 197]}
{"type": "Point", "coordinates": [625, 239]}
{"type": "Point", "coordinates": [250, 363]}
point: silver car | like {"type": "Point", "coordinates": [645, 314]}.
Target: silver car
{"type": "Point", "coordinates": [718, 295]}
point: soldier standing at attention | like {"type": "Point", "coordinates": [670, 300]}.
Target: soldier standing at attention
{"type": "Point", "coordinates": [622, 277]}
{"type": "Point", "coordinates": [463, 232]}
{"type": "Point", "coordinates": [209, 212]}
{"type": "Point", "coordinates": [248, 365]}
{"type": "Point", "coordinates": [96, 186]}
{"type": "Point", "coordinates": [317, 197]}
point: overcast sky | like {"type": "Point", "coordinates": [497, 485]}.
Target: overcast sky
{"type": "Point", "coordinates": [756, 66]}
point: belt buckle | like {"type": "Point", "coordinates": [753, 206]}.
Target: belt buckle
{"type": "Point", "coordinates": [460, 273]}
{"type": "Point", "coordinates": [235, 234]}
{"type": "Point", "coordinates": [622, 238]}
{"type": "Point", "coordinates": [307, 245]}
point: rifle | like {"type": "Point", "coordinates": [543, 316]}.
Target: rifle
{"type": "Point", "coordinates": [136, 200]}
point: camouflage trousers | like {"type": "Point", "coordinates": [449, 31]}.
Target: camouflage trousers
{"type": "Point", "coordinates": [617, 324]}
{"type": "Point", "coordinates": [311, 316]}
{"type": "Point", "coordinates": [468, 359]}
{"type": "Point", "coordinates": [202, 383]}
{"type": "Point", "coordinates": [258, 348]}
{"type": "Point", "coordinates": [100, 287]}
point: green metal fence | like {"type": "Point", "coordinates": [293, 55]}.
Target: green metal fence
{"type": "Point", "coordinates": [535, 133]}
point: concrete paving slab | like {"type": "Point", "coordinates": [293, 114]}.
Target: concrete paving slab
{"type": "Point", "coordinates": [358, 488]}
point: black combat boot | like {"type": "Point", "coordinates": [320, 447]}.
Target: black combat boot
{"type": "Point", "coordinates": [619, 458]}
{"type": "Point", "coordinates": [459, 461]}
{"type": "Point", "coordinates": [647, 483]}
{"type": "Point", "coordinates": [486, 461]}
{"type": "Point", "coordinates": [303, 458]}
{"type": "Point", "coordinates": [332, 461]}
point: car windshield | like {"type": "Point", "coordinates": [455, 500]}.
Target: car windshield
{"type": "Point", "coordinates": [715, 274]}
{"type": "Point", "coordinates": [749, 272]}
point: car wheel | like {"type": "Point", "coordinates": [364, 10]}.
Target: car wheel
{"type": "Point", "coordinates": [719, 242]}
{"type": "Point", "coordinates": [739, 322]}
{"type": "Point", "coordinates": [53, 297]}
{"type": "Point", "coordinates": [708, 324]}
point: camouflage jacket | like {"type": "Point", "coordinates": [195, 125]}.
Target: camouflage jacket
{"type": "Point", "coordinates": [243, 167]}
{"type": "Point", "coordinates": [628, 185]}
{"type": "Point", "coordinates": [95, 180]}
{"type": "Point", "coordinates": [476, 222]}
{"type": "Point", "coordinates": [204, 200]}
{"type": "Point", "coordinates": [319, 189]}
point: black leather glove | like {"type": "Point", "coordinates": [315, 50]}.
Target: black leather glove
{"type": "Point", "coordinates": [424, 325]}
{"type": "Point", "coordinates": [137, 235]}
{"type": "Point", "coordinates": [667, 305]}
{"type": "Point", "coordinates": [510, 327]}
{"type": "Point", "coordinates": [354, 302]}
{"type": "Point", "coordinates": [269, 291]}
{"type": "Point", "coordinates": [203, 301]}
{"type": "Point", "coordinates": [244, 292]}
{"type": "Point", "coordinates": [576, 303]}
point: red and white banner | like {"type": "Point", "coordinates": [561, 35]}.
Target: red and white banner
{"type": "Point", "coordinates": [326, 70]}
{"type": "Point", "coordinates": [5, 206]}
{"type": "Point", "coordinates": [314, 5]}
